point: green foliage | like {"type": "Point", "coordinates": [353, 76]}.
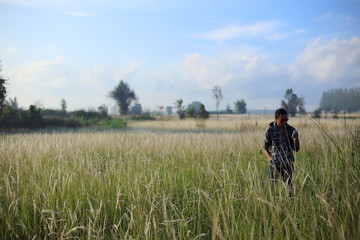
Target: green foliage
{"type": "Point", "coordinates": [240, 106]}
{"type": "Point", "coordinates": [293, 103]}
{"type": "Point", "coordinates": [142, 117]}
{"type": "Point", "coordinates": [196, 110]}
{"type": "Point", "coordinates": [124, 97]}
{"type": "Point", "coordinates": [113, 123]}
{"type": "Point", "coordinates": [103, 110]}
{"type": "Point", "coordinates": [87, 114]}
{"type": "Point", "coordinates": [190, 111]}
{"type": "Point", "coordinates": [34, 117]}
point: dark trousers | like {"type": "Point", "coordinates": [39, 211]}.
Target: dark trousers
{"type": "Point", "coordinates": [285, 171]}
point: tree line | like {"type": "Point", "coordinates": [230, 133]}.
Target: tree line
{"type": "Point", "coordinates": [340, 99]}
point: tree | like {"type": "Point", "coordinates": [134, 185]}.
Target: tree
{"type": "Point", "coordinates": [293, 103]}
{"type": "Point", "coordinates": [136, 109]}
{"type": "Point", "coordinates": [123, 96]}
{"type": "Point", "coordinates": [217, 93]}
{"type": "Point", "coordinates": [228, 109]}
{"type": "Point", "coordinates": [202, 114]}
{"type": "Point", "coordinates": [3, 81]}
{"type": "Point", "coordinates": [63, 105]}
{"type": "Point", "coordinates": [190, 111]}
{"type": "Point", "coordinates": [325, 103]}
{"type": "Point", "coordinates": [103, 110]}
{"type": "Point", "coordinates": [240, 106]}
{"type": "Point", "coordinates": [180, 109]}
{"type": "Point", "coordinates": [346, 100]}
{"type": "Point", "coordinates": [13, 103]}
{"type": "Point", "coordinates": [316, 113]}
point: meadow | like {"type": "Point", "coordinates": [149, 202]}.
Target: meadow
{"type": "Point", "coordinates": [173, 179]}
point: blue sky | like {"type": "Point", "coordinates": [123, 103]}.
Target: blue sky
{"type": "Point", "coordinates": [78, 50]}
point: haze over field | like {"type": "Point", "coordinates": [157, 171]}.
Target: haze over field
{"type": "Point", "coordinates": [165, 50]}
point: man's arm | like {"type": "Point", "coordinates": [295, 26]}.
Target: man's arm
{"type": "Point", "coordinates": [267, 144]}
{"type": "Point", "coordinates": [295, 137]}
{"type": "Point", "coordinates": [268, 155]}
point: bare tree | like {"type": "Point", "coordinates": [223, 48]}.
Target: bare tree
{"type": "Point", "coordinates": [217, 93]}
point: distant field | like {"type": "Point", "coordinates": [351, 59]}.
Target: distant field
{"type": "Point", "coordinates": [173, 179]}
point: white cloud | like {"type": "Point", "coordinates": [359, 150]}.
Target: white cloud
{"type": "Point", "coordinates": [12, 50]}
{"type": "Point", "coordinates": [49, 81]}
{"type": "Point", "coordinates": [336, 17]}
{"type": "Point", "coordinates": [230, 68]}
{"type": "Point", "coordinates": [43, 80]}
{"type": "Point", "coordinates": [260, 29]}
{"type": "Point", "coordinates": [43, 73]}
{"type": "Point", "coordinates": [128, 72]}
{"type": "Point", "coordinates": [334, 61]}
{"type": "Point", "coordinates": [80, 14]}
{"type": "Point", "coordinates": [283, 35]}
{"type": "Point", "coordinates": [103, 78]}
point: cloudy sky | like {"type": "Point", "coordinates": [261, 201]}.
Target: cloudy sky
{"type": "Point", "coordinates": [78, 50]}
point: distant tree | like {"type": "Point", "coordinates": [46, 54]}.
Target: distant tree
{"type": "Point", "coordinates": [169, 110]}
{"type": "Point", "coordinates": [217, 94]}
{"type": "Point", "coordinates": [103, 110]}
{"type": "Point", "coordinates": [180, 109]}
{"type": "Point", "coordinates": [301, 106]}
{"type": "Point", "coordinates": [340, 99]}
{"type": "Point", "coordinates": [13, 103]}
{"type": "Point", "coordinates": [124, 97]}
{"type": "Point", "coordinates": [325, 103]}
{"type": "Point", "coordinates": [33, 114]}
{"type": "Point", "coordinates": [316, 113]}
{"type": "Point", "coordinates": [293, 103]}
{"type": "Point", "coordinates": [190, 111]}
{"type": "Point", "coordinates": [3, 81]}
{"type": "Point", "coordinates": [202, 114]}
{"type": "Point", "coordinates": [196, 105]}
{"type": "Point", "coordinates": [228, 109]}
{"type": "Point", "coordinates": [136, 109]}
{"type": "Point", "coordinates": [240, 106]}
{"type": "Point", "coordinates": [63, 105]}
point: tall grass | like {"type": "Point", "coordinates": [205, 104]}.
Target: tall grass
{"type": "Point", "coordinates": [142, 185]}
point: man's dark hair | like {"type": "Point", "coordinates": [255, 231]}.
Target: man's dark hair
{"type": "Point", "coordinates": [279, 112]}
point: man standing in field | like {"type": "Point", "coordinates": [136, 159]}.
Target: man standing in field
{"type": "Point", "coordinates": [281, 140]}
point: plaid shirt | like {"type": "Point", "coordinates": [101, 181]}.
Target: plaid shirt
{"type": "Point", "coordinates": [279, 143]}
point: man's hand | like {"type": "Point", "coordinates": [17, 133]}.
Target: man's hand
{"type": "Point", "coordinates": [295, 135]}
{"type": "Point", "coordinates": [268, 155]}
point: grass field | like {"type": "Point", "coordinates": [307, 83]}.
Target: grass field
{"type": "Point", "coordinates": [170, 179]}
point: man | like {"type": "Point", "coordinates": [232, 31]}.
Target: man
{"type": "Point", "coordinates": [281, 140]}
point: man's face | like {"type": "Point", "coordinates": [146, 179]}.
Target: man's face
{"type": "Point", "coordinates": [281, 120]}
